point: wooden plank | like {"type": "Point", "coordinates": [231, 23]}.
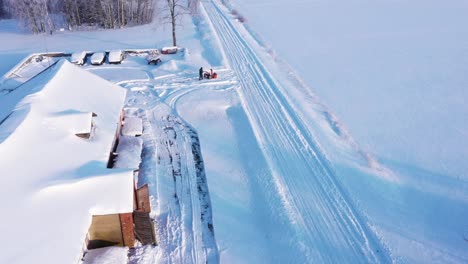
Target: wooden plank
{"type": "Point", "coordinates": [128, 234]}
{"type": "Point", "coordinates": [105, 230]}
{"type": "Point", "coordinates": [144, 229]}
{"type": "Point", "coordinates": [142, 197]}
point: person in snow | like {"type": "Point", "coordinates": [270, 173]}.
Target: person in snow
{"type": "Point", "coordinates": [211, 72]}
{"type": "Point", "coordinates": [200, 73]}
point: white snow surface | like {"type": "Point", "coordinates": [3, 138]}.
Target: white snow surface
{"type": "Point", "coordinates": [132, 126]}
{"type": "Point", "coordinates": [292, 180]}
{"type": "Point", "coordinates": [393, 71]}
{"type": "Point", "coordinates": [77, 123]}
{"type": "Point", "coordinates": [392, 74]}
{"type": "Point", "coordinates": [107, 255]}
{"type": "Point", "coordinates": [115, 55]}
{"type": "Point", "coordinates": [97, 57]}
{"type": "Point", "coordinates": [57, 179]}
{"type": "Point", "coordinates": [129, 152]}
{"type": "Point", "coordinates": [78, 57]}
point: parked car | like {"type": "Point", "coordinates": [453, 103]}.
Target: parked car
{"type": "Point", "coordinates": [153, 57]}
{"type": "Point", "coordinates": [116, 56]}
{"type": "Point", "coordinates": [78, 57]}
{"type": "Point", "coordinates": [169, 50]}
{"type": "Point", "coordinates": [98, 58]}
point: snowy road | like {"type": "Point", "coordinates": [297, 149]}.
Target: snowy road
{"type": "Point", "coordinates": [317, 217]}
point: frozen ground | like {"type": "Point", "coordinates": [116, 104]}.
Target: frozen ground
{"type": "Point", "coordinates": [287, 181]}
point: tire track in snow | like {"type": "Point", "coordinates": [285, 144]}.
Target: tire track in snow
{"type": "Point", "coordinates": [173, 167]}
{"type": "Point", "coordinates": [322, 221]}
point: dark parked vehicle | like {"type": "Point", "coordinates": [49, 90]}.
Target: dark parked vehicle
{"type": "Point", "coordinates": [153, 57]}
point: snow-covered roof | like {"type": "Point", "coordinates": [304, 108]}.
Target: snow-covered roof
{"type": "Point", "coordinates": [74, 121]}
{"type": "Point", "coordinates": [132, 126]}
{"type": "Point", "coordinates": [115, 55]}
{"type": "Point", "coordinates": [129, 152]}
{"type": "Point", "coordinates": [54, 181]}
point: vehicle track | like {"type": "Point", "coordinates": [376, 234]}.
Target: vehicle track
{"type": "Point", "coordinates": [318, 214]}
{"type": "Point", "coordinates": [173, 167]}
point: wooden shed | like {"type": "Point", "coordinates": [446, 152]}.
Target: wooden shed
{"type": "Point", "coordinates": [122, 229]}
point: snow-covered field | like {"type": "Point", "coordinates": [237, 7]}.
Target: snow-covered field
{"type": "Point", "coordinates": [393, 71]}
{"type": "Point", "coordinates": [375, 175]}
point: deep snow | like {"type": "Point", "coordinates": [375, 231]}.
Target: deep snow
{"type": "Point", "coordinates": [262, 211]}
{"type": "Point", "coordinates": [58, 180]}
{"type": "Point", "coordinates": [398, 87]}
{"type": "Point", "coordinates": [393, 71]}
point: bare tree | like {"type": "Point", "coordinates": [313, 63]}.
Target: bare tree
{"type": "Point", "coordinates": [192, 6]}
{"type": "Point", "coordinates": [3, 12]}
{"type": "Point", "coordinates": [33, 13]}
{"type": "Point", "coordinates": [36, 14]}
{"type": "Point", "coordinates": [174, 11]}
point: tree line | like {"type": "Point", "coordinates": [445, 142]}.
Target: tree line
{"type": "Point", "coordinates": [46, 15]}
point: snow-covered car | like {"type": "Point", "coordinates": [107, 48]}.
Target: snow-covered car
{"type": "Point", "coordinates": [153, 57]}
{"type": "Point", "coordinates": [116, 56]}
{"type": "Point", "coordinates": [78, 57]}
{"type": "Point", "coordinates": [98, 58]}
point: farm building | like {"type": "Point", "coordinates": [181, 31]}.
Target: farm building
{"type": "Point", "coordinates": [57, 133]}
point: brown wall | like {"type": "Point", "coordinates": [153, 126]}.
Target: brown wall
{"type": "Point", "coordinates": [111, 230]}
{"type": "Point", "coordinates": [105, 231]}
{"type": "Point", "coordinates": [128, 234]}
{"type": "Point", "coordinates": [142, 198]}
